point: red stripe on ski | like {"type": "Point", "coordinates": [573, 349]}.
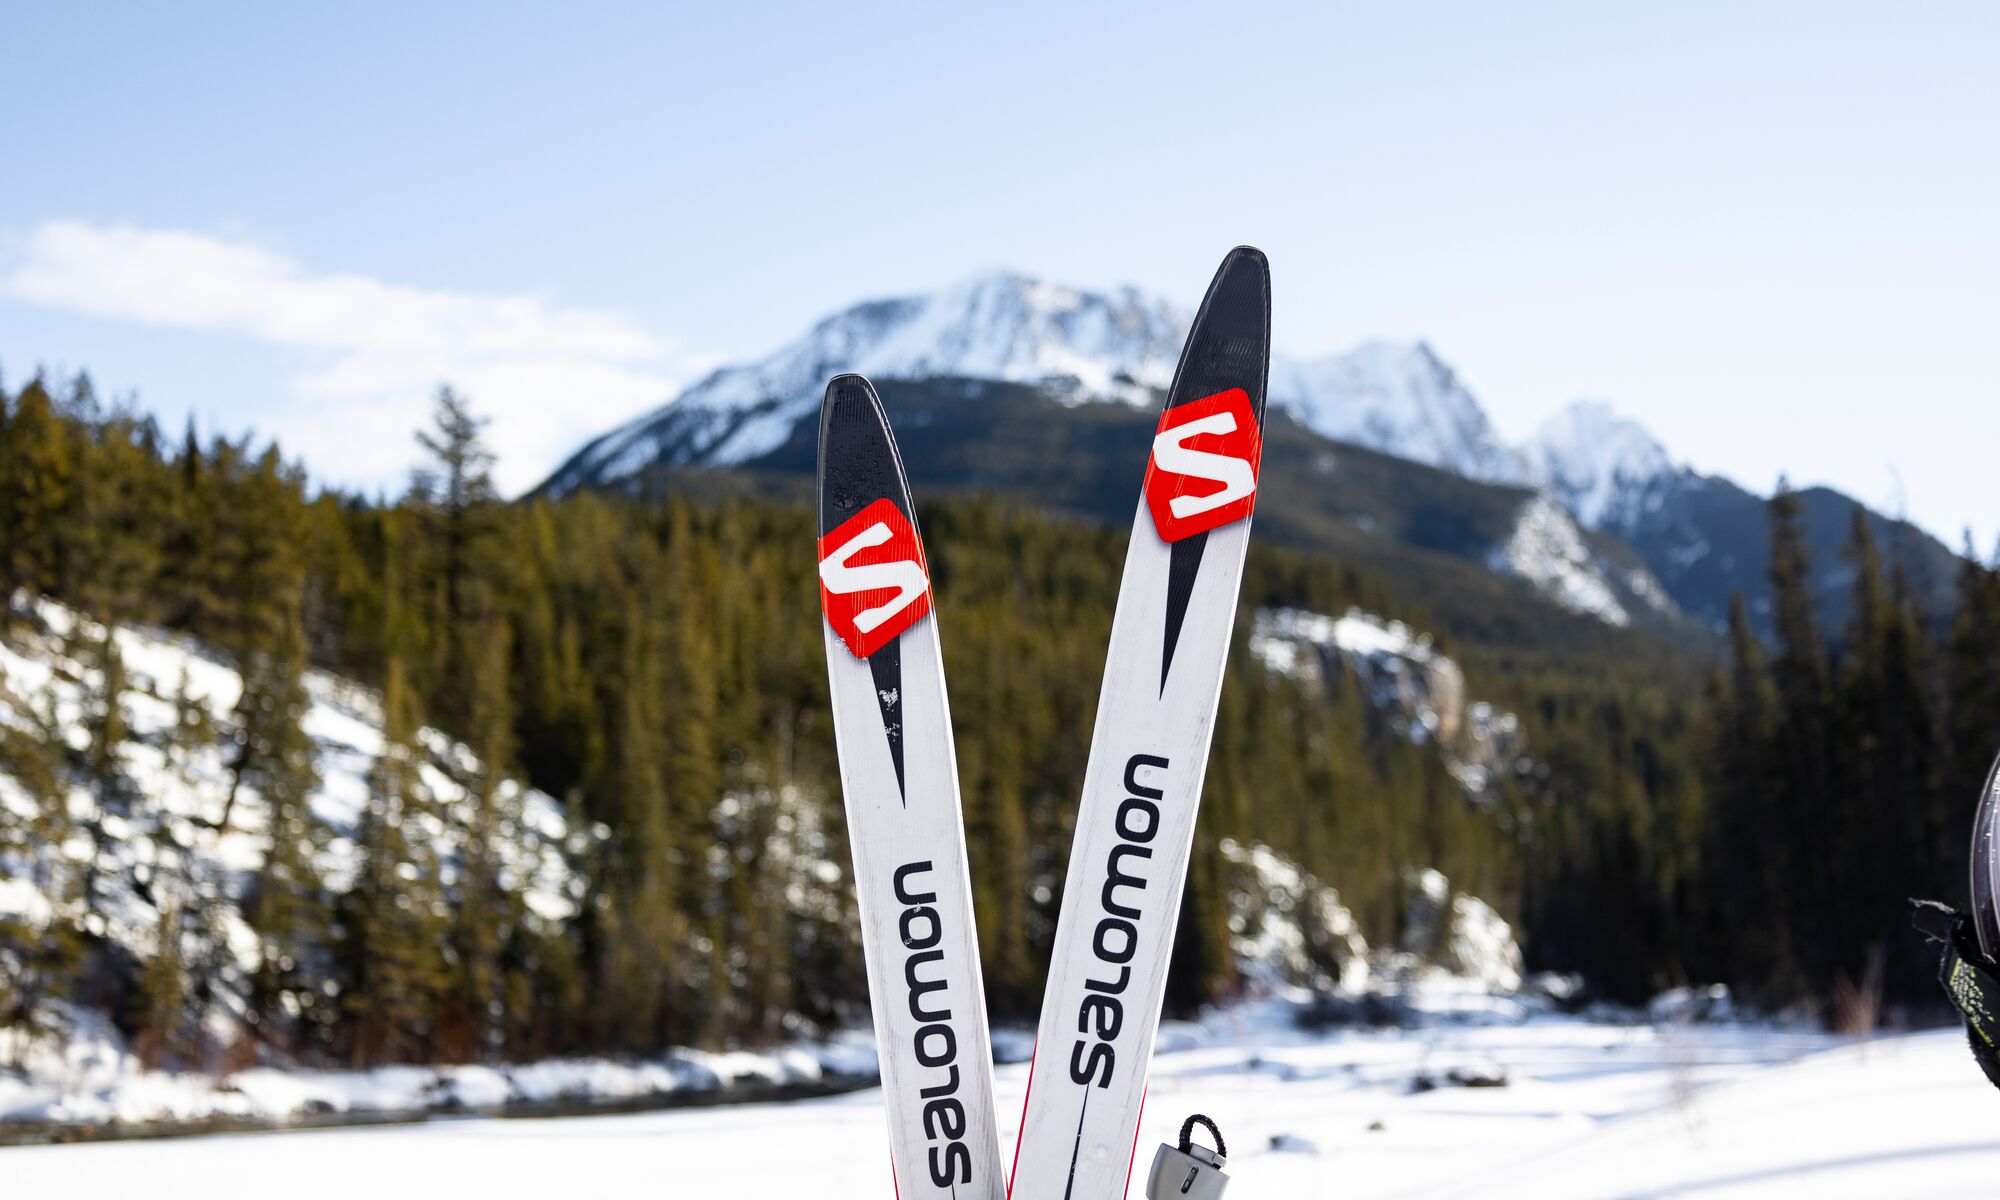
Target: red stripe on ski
{"type": "Point", "coordinates": [1133, 1161]}
{"type": "Point", "coordinates": [1015, 1168]}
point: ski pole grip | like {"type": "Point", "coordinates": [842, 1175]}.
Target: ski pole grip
{"type": "Point", "coordinates": [1188, 1172]}
{"type": "Point", "coordinates": [1187, 1134]}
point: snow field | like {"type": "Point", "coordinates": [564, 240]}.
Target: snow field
{"type": "Point", "coordinates": [1590, 1109]}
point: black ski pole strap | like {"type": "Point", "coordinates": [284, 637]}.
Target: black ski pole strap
{"type": "Point", "coordinates": [1192, 1172]}
{"type": "Point", "coordinates": [1971, 981]}
{"type": "Point", "coordinates": [1187, 1134]}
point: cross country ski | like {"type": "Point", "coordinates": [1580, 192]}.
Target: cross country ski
{"type": "Point", "coordinates": [1155, 715]}
{"type": "Point", "coordinates": [899, 779]}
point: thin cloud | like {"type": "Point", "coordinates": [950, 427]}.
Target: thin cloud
{"type": "Point", "coordinates": [372, 352]}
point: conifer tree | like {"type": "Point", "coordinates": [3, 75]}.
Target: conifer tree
{"type": "Point", "coordinates": [102, 684]}
{"type": "Point", "coordinates": [395, 915]}
{"type": "Point", "coordinates": [646, 933]}
{"type": "Point", "coordinates": [189, 891]}
{"type": "Point", "coordinates": [1972, 683]}
{"type": "Point", "coordinates": [163, 1000]}
{"type": "Point", "coordinates": [1803, 770]}
{"type": "Point", "coordinates": [39, 462]}
{"type": "Point", "coordinates": [288, 909]}
{"type": "Point", "coordinates": [1757, 859]}
{"type": "Point", "coordinates": [45, 955]}
{"type": "Point", "coordinates": [454, 494]}
{"type": "Point", "coordinates": [487, 913]}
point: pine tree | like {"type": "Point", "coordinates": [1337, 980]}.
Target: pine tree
{"type": "Point", "coordinates": [102, 685]}
{"type": "Point", "coordinates": [488, 913]}
{"type": "Point", "coordinates": [44, 956]}
{"type": "Point", "coordinates": [1803, 771]}
{"type": "Point", "coordinates": [38, 463]}
{"type": "Point", "coordinates": [189, 891]}
{"type": "Point", "coordinates": [454, 494]}
{"type": "Point", "coordinates": [288, 909]}
{"type": "Point", "coordinates": [1863, 809]}
{"type": "Point", "coordinates": [647, 943]}
{"type": "Point", "coordinates": [1753, 847]}
{"type": "Point", "coordinates": [163, 1000]}
{"type": "Point", "coordinates": [1972, 683]}
{"type": "Point", "coordinates": [690, 765]}
{"type": "Point", "coordinates": [394, 917]}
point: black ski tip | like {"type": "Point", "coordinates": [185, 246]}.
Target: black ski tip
{"type": "Point", "coordinates": [851, 387]}
{"type": "Point", "coordinates": [850, 401]}
{"type": "Point", "coordinates": [1247, 254]}
{"type": "Point", "coordinates": [858, 462]}
{"type": "Point", "coordinates": [1229, 344]}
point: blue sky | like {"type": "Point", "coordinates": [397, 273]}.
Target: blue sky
{"type": "Point", "coordinates": [1767, 231]}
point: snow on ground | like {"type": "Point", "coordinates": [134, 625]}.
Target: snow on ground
{"type": "Point", "coordinates": [1400, 672]}
{"type": "Point", "coordinates": [1547, 550]}
{"type": "Point", "coordinates": [1589, 1109]}
{"type": "Point", "coordinates": [99, 1082]}
{"type": "Point", "coordinates": [187, 835]}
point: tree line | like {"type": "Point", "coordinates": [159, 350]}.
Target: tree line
{"type": "Point", "coordinates": [655, 665]}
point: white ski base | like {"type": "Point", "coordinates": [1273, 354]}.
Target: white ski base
{"type": "Point", "coordinates": [915, 900]}
{"type": "Point", "coordinates": [1134, 833]}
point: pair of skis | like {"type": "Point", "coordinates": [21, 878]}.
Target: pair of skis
{"type": "Point", "coordinates": [1135, 824]}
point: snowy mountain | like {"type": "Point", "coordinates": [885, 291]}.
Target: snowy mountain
{"type": "Point", "coordinates": [1399, 398]}
{"type": "Point", "coordinates": [1706, 538]}
{"type": "Point", "coordinates": [1082, 345]}
{"type": "Point", "coordinates": [1605, 468]}
{"type": "Point", "coordinates": [1698, 540]}
{"type": "Point", "coordinates": [1075, 346]}
{"type": "Point", "coordinates": [178, 844]}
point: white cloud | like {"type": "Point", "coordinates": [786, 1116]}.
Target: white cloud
{"type": "Point", "coordinates": [371, 353]}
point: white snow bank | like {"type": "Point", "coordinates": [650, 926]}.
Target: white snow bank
{"type": "Point", "coordinates": [1402, 674]}
{"type": "Point", "coordinates": [123, 1094]}
{"type": "Point", "coordinates": [1547, 550]}
{"type": "Point", "coordinates": [1589, 1110]}
{"type": "Point", "coordinates": [171, 842]}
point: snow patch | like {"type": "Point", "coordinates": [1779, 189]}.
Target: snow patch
{"type": "Point", "coordinates": [1082, 345]}
{"type": "Point", "coordinates": [1400, 673]}
{"type": "Point", "coordinates": [1547, 550]}
{"type": "Point", "coordinates": [1603, 467]}
{"type": "Point", "coordinates": [178, 847]}
{"type": "Point", "coordinates": [1399, 398]}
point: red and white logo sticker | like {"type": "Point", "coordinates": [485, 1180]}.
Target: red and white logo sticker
{"type": "Point", "coordinates": [1203, 473]}
{"type": "Point", "coordinates": [873, 582]}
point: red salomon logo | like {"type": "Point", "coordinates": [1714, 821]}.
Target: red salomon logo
{"type": "Point", "coordinates": [873, 583]}
{"type": "Point", "coordinates": [1203, 473]}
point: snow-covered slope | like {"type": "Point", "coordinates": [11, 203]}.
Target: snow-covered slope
{"type": "Point", "coordinates": [165, 840]}
{"type": "Point", "coordinates": [1399, 398]}
{"type": "Point", "coordinates": [1583, 1109]}
{"type": "Point", "coordinates": [1083, 344]}
{"type": "Point", "coordinates": [1400, 672]}
{"type": "Point", "coordinates": [1604, 467]}
{"type": "Point", "coordinates": [1549, 551]}
{"type": "Point", "coordinates": [1696, 536]}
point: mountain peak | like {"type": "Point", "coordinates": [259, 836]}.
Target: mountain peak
{"type": "Point", "coordinates": [1399, 397]}
{"type": "Point", "coordinates": [1078, 343]}
{"type": "Point", "coordinates": [1603, 466]}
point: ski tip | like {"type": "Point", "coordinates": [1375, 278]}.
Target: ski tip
{"type": "Point", "coordinates": [851, 403]}
{"type": "Point", "coordinates": [858, 461]}
{"type": "Point", "coordinates": [1229, 344]}
{"type": "Point", "coordinates": [849, 389]}
{"type": "Point", "coordinates": [1247, 254]}
{"type": "Point", "coordinates": [1244, 271]}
